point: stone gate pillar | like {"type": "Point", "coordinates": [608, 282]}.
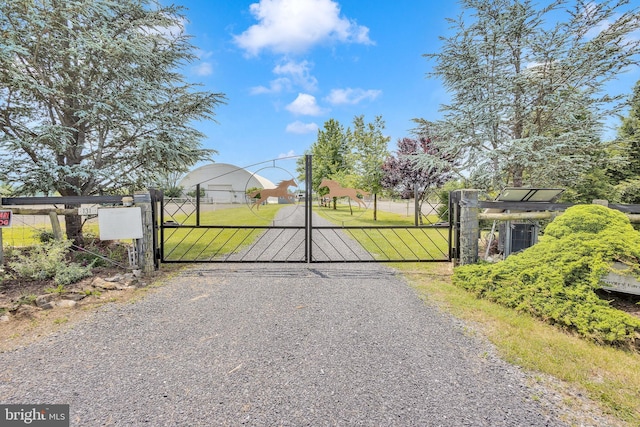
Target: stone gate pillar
{"type": "Point", "coordinates": [469, 226]}
{"type": "Point", "coordinates": [145, 249]}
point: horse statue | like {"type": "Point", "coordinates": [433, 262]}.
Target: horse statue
{"type": "Point", "coordinates": [336, 190]}
{"type": "Point", "coordinates": [281, 190]}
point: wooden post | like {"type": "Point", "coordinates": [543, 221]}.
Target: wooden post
{"type": "Point", "coordinates": [516, 216]}
{"type": "Point", "coordinates": [469, 226]}
{"type": "Point", "coordinates": [55, 224]}
{"type": "Point", "coordinates": [146, 260]}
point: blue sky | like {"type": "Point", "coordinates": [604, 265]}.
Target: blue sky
{"type": "Point", "coordinates": [287, 66]}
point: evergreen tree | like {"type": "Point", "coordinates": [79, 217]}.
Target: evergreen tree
{"type": "Point", "coordinates": [627, 174]}
{"type": "Point", "coordinates": [331, 155]}
{"type": "Point", "coordinates": [91, 98]}
{"type": "Point", "coordinates": [527, 89]}
{"type": "Point", "coordinates": [628, 139]}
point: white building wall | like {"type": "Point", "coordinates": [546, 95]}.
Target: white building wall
{"type": "Point", "coordinates": [223, 183]}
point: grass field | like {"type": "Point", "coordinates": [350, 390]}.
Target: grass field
{"type": "Point", "coordinates": [205, 244]}
{"type": "Point", "coordinates": [400, 240]}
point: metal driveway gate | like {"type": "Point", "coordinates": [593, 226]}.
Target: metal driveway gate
{"type": "Point", "coordinates": [300, 235]}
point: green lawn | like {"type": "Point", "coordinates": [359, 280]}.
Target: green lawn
{"type": "Point", "coordinates": [204, 244]}
{"type": "Point", "coordinates": [401, 240]}
{"type": "Point", "coordinates": [238, 216]}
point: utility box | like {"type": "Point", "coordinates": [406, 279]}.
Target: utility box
{"type": "Point", "coordinates": [515, 237]}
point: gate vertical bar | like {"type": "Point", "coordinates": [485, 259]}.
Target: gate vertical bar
{"type": "Point", "coordinates": [162, 227]}
{"type": "Point", "coordinates": [157, 206]}
{"type": "Point", "coordinates": [308, 207]}
{"type": "Point", "coordinates": [416, 205]}
{"type": "Point", "coordinates": [452, 222]}
{"type": "Point", "coordinates": [197, 205]}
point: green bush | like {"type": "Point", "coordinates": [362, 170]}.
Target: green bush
{"type": "Point", "coordinates": [42, 261]}
{"type": "Point", "coordinates": [556, 279]}
{"type": "Point", "coordinates": [44, 236]}
{"type": "Point", "coordinates": [173, 192]}
{"type": "Point", "coordinates": [47, 261]}
{"type": "Point", "coordinates": [71, 273]}
{"type": "Point", "coordinates": [629, 191]}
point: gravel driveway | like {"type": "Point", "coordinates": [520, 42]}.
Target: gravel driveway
{"type": "Point", "coordinates": [272, 345]}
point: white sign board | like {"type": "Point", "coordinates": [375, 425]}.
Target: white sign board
{"type": "Point", "coordinates": [620, 282]}
{"type": "Point", "coordinates": [120, 223]}
{"type": "Point", "coordinates": [88, 210]}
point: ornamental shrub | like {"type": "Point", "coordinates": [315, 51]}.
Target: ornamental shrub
{"type": "Point", "coordinates": [49, 260]}
{"type": "Point", "coordinates": [556, 279]}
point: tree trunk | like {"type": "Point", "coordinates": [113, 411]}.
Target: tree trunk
{"type": "Point", "coordinates": [518, 176]}
{"type": "Point", "coordinates": [73, 225]}
{"type": "Point", "coordinates": [375, 206]}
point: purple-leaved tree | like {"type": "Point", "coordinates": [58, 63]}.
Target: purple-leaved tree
{"type": "Point", "coordinates": [401, 174]}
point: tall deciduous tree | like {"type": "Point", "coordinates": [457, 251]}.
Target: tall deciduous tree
{"type": "Point", "coordinates": [369, 145]}
{"type": "Point", "coordinates": [91, 97]}
{"type": "Point", "coordinates": [526, 86]}
{"type": "Point", "coordinates": [352, 157]}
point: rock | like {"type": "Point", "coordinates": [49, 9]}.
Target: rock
{"type": "Point", "coordinates": [66, 303]}
{"type": "Point", "coordinates": [48, 306]}
{"type": "Point", "coordinates": [42, 300]}
{"type": "Point", "coordinates": [130, 281]}
{"type": "Point", "coordinates": [75, 296]}
{"type": "Point", "coordinates": [104, 284]}
{"type": "Point", "coordinates": [116, 278]}
{"type": "Point", "coordinates": [4, 318]}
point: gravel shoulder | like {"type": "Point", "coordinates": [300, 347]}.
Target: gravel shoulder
{"type": "Point", "coordinates": [326, 344]}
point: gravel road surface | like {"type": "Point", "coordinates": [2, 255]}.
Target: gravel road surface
{"type": "Point", "coordinates": [274, 345]}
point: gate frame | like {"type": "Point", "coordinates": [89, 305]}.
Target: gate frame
{"type": "Point", "coordinates": [161, 225]}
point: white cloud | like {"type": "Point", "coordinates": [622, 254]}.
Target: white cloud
{"type": "Point", "coordinates": [275, 86]}
{"type": "Point", "coordinates": [290, 153]}
{"type": "Point", "coordinates": [204, 69]}
{"type": "Point", "coordinates": [301, 128]}
{"type": "Point", "coordinates": [295, 26]}
{"type": "Point", "coordinates": [299, 72]}
{"type": "Point", "coordinates": [204, 54]}
{"type": "Point", "coordinates": [305, 105]}
{"type": "Point", "coordinates": [295, 74]}
{"type": "Point", "coordinates": [351, 96]}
